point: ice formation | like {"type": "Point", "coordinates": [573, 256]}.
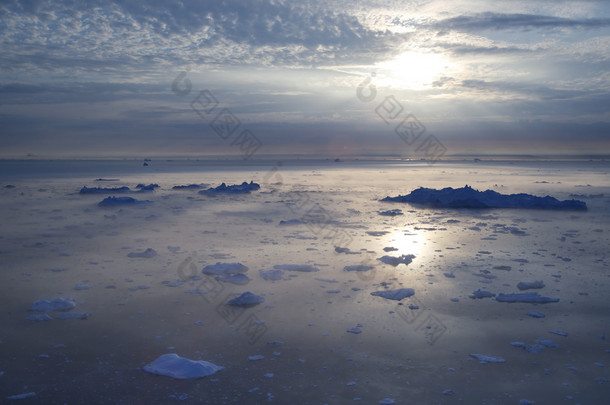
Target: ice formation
{"type": "Point", "coordinates": [467, 197]}
{"type": "Point", "coordinates": [172, 365]}
{"type": "Point", "coordinates": [394, 294]}
{"type": "Point", "coordinates": [243, 188]}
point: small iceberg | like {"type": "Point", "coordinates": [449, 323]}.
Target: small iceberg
{"type": "Point", "coordinates": [148, 253]}
{"type": "Point", "coordinates": [487, 359]}
{"type": "Point", "coordinates": [72, 315]}
{"type": "Point", "coordinates": [271, 274]}
{"type": "Point", "coordinates": [120, 201]}
{"type": "Point", "coordinates": [358, 267]}
{"type": "Point", "coordinates": [172, 365]}
{"type": "Point", "coordinates": [391, 213]}
{"type": "Point", "coordinates": [146, 188]}
{"type": "Point", "coordinates": [247, 299]}
{"type": "Point", "coordinates": [223, 269]}
{"type": "Point", "coordinates": [467, 197]}
{"type": "Point", "coordinates": [478, 294]}
{"type": "Point", "coordinates": [104, 190]}
{"type": "Point", "coordinates": [395, 261]}
{"type": "Point", "coordinates": [296, 267]}
{"type": "Point", "coordinates": [239, 278]}
{"type": "Point", "coordinates": [56, 304]}
{"type": "Point", "coordinates": [396, 295]}
{"type": "Point", "coordinates": [190, 187]}
{"type": "Point", "coordinates": [530, 285]}
{"type": "Point", "coordinates": [531, 297]}
{"type": "Point", "coordinates": [243, 188]}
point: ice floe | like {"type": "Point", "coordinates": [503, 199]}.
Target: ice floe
{"type": "Point", "coordinates": [104, 190]}
{"type": "Point", "coordinates": [397, 295]}
{"type": "Point", "coordinates": [271, 274]}
{"type": "Point", "coordinates": [467, 197]}
{"type": "Point", "coordinates": [481, 294]}
{"type": "Point", "coordinates": [391, 213]}
{"type": "Point", "coordinates": [243, 188]}
{"type": "Point", "coordinates": [172, 365]}
{"type": "Point", "coordinates": [246, 299]}
{"type": "Point", "coordinates": [530, 297]}
{"type": "Point", "coordinates": [358, 267]}
{"type": "Point", "coordinates": [395, 261]}
{"type": "Point", "coordinates": [239, 278]}
{"type": "Point", "coordinates": [523, 285]}
{"type": "Point", "coordinates": [148, 253]}
{"type": "Point", "coordinates": [55, 304]}
{"type": "Point", "coordinates": [120, 201]}
{"type": "Point", "coordinates": [222, 269]}
{"type": "Point", "coordinates": [487, 359]}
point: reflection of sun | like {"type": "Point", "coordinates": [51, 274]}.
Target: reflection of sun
{"type": "Point", "coordinates": [412, 70]}
{"type": "Point", "coordinates": [408, 242]}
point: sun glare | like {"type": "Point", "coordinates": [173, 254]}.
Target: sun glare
{"type": "Point", "coordinates": [412, 70]}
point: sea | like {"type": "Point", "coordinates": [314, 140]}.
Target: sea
{"type": "Point", "coordinates": [320, 251]}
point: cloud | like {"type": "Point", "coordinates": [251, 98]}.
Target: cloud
{"type": "Point", "coordinates": [500, 21]}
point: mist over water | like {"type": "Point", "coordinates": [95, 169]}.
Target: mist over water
{"type": "Point", "coordinates": [322, 215]}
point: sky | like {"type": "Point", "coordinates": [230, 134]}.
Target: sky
{"type": "Point", "coordinates": [338, 79]}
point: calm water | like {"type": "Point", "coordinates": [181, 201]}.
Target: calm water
{"type": "Point", "coordinates": [52, 239]}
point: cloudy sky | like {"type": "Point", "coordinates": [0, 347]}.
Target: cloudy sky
{"type": "Point", "coordinates": [195, 78]}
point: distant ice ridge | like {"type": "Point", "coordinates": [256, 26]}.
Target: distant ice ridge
{"type": "Point", "coordinates": [172, 365]}
{"type": "Point", "coordinates": [467, 197]}
{"type": "Point", "coordinates": [119, 201]}
{"type": "Point", "coordinates": [243, 188]}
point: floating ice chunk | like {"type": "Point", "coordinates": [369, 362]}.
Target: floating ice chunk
{"type": "Point", "coordinates": [391, 213]}
{"type": "Point", "coordinates": [294, 221]}
{"type": "Point", "coordinates": [530, 285]}
{"type": "Point", "coordinates": [487, 359]}
{"type": "Point", "coordinates": [296, 267]}
{"type": "Point", "coordinates": [505, 268]}
{"type": "Point", "coordinates": [256, 357]}
{"type": "Point", "coordinates": [247, 299]}
{"type": "Point", "coordinates": [139, 287]}
{"type": "Point", "coordinates": [145, 188]}
{"type": "Point", "coordinates": [56, 304]}
{"type": "Point", "coordinates": [481, 294]}
{"type": "Point", "coordinates": [172, 365]}
{"type": "Point", "coordinates": [396, 295]}
{"type": "Point", "coordinates": [467, 197]}
{"type": "Point", "coordinates": [387, 401]}
{"type": "Point", "coordinates": [72, 315]}
{"type": "Point", "coordinates": [355, 330]}
{"type": "Point", "coordinates": [175, 283]}
{"type": "Point", "coordinates": [447, 392]}
{"type": "Point", "coordinates": [358, 267]}
{"type": "Point", "coordinates": [395, 261]}
{"type": "Point", "coordinates": [271, 274]}
{"type": "Point", "coordinates": [148, 253]}
{"type": "Point", "coordinates": [22, 396]}
{"type": "Point", "coordinates": [526, 402]}
{"type": "Point", "coordinates": [326, 280]}
{"type": "Point", "coordinates": [190, 187]}
{"type": "Point", "coordinates": [239, 279]}
{"type": "Point", "coordinates": [547, 343]}
{"type": "Point", "coordinates": [118, 201]}
{"type": "Point", "coordinates": [559, 332]}
{"type": "Point", "coordinates": [535, 314]}
{"type": "Point", "coordinates": [518, 344]}
{"type": "Point", "coordinates": [534, 349]}
{"type": "Point", "coordinates": [221, 269]}
{"type": "Point", "coordinates": [533, 298]}
{"type": "Point", "coordinates": [196, 291]}
{"type": "Point", "coordinates": [449, 275]}
{"type": "Point", "coordinates": [102, 190]}
{"type": "Point", "coordinates": [39, 317]}
{"type": "Point", "coordinates": [243, 188]}
{"type": "Point", "coordinates": [82, 287]}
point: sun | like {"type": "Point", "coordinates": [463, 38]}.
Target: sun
{"type": "Point", "coordinates": [412, 70]}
